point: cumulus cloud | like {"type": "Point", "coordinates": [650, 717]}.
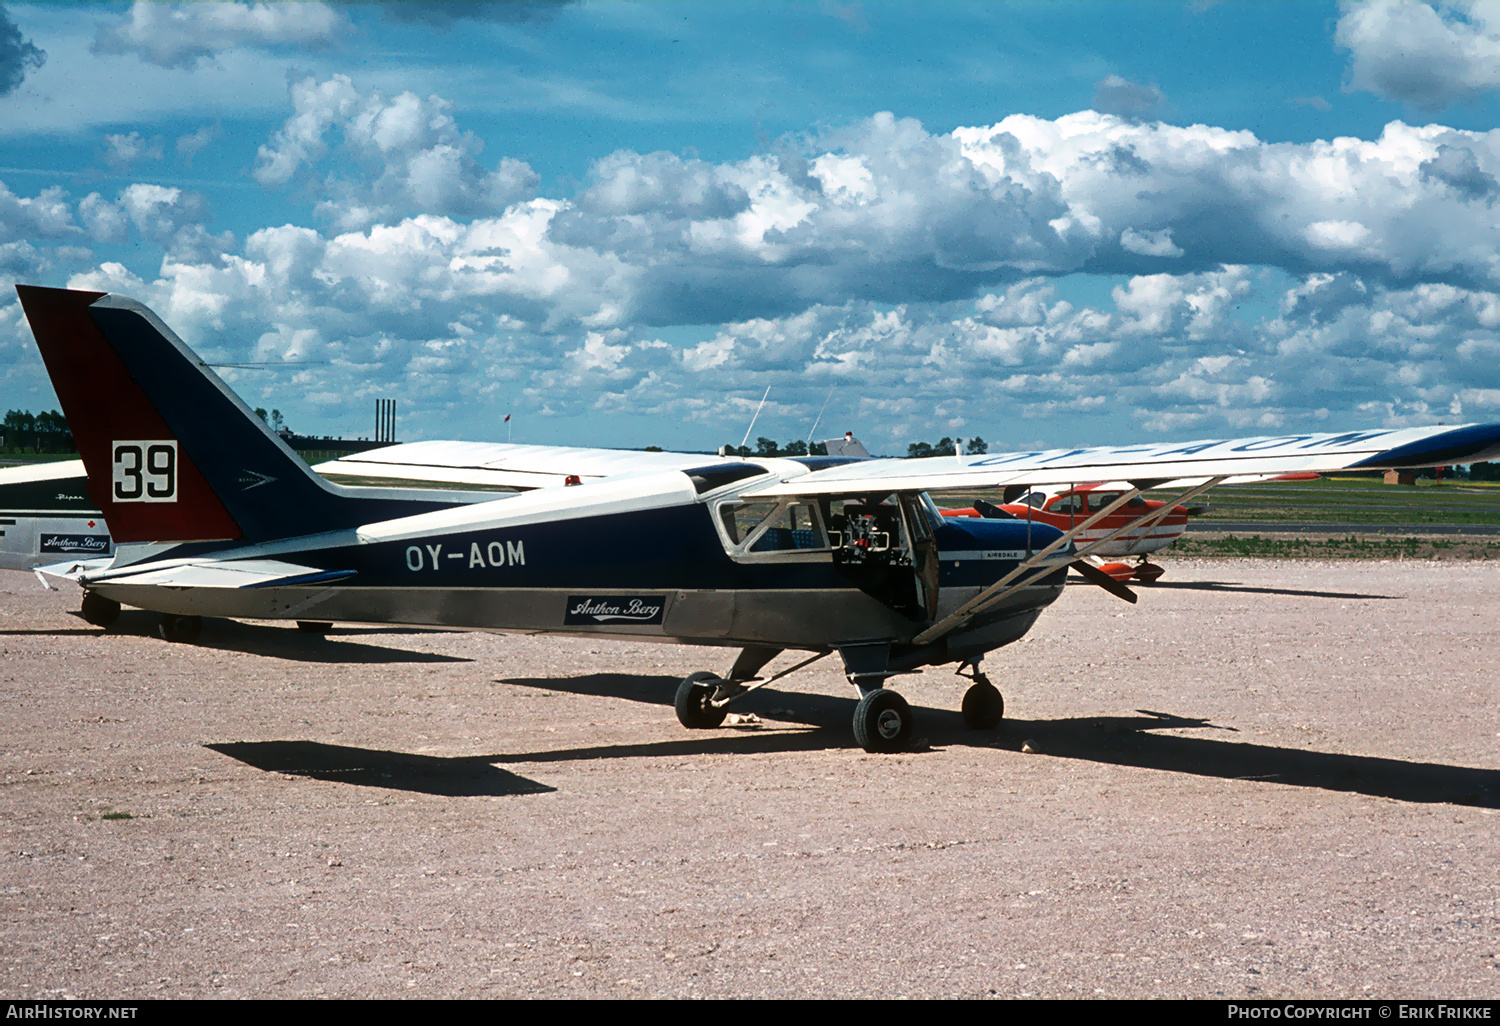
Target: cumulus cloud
{"type": "Point", "coordinates": [1116, 95]}
{"type": "Point", "coordinates": [18, 55]}
{"type": "Point", "coordinates": [880, 210]}
{"type": "Point", "coordinates": [1458, 169]}
{"type": "Point", "coordinates": [1420, 54]}
{"type": "Point", "coordinates": [1158, 243]}
{"type": "Point", "coordinates": [190, 145]}
{"type": "Point", "coordinates": [103, 220]}
{"type": "Point", "coordinates": [183, 35]}
{"type": "Point", "coordinates": [1315, 102]}
{"type": "Point", "coordinates": [121, 151]}
{"type": "Point", "coordinates": [1253, 282]}
{"type": "Point", "coordinates": [409, 153]}
{"type": "Point", "coordinates": [44, 215]}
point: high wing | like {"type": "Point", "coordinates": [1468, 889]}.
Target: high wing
{"type": "Point", "coordinates": [1154, 466]}
{"type": "Point", "coordinates": [1195, 466]}
{"type": "Point", "coordinates": [500, 465]}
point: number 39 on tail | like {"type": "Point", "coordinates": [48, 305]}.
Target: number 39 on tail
{"type": "Point", "coordinates": [212, 515]}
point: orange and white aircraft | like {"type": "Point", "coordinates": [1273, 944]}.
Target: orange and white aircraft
{"type": "Point", "coordinates": [1064, 508]}
{"type": "Point", "coordinates": [1068, 507]}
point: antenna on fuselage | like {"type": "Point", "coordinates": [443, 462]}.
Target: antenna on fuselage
{"type": "Point", "coordinates": [757, 415]}
{"type": "Point", "coordinates": [820, 416]}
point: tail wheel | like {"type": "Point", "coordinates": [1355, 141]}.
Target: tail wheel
{"type": "Point", "coordinates": [984, 706]}
{"type": "Point", "coordinates": [180, 629]}
{"type": "Point", "coordinates": [100, 611]}
{"type": "Point", "coordinates": [883, 722]}
{"type": "Point", "coordinates": [694, 697]}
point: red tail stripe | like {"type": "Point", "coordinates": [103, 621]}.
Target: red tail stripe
{"type": "Point", "coordinates": [104, 404]}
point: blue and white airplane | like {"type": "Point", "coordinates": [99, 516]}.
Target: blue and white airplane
{"type": "Point", "coordinates": [213, 515]}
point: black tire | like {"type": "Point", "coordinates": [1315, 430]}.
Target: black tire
{"type": "Point", "coordinates": [883, 722]}
{"type": "Point", "coordinates": [182, 630]}
{"type": "Point", "coordinates": [693, 694]}
{"type": "Point", "coordinates": [984, 707]}
{"type": "Point", "coordinates": [100, 611]}
{"type": "Point", "coordinates": [314, 626]}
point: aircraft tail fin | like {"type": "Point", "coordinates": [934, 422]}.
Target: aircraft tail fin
{"type": "Point", "coordinates": [172, 453]}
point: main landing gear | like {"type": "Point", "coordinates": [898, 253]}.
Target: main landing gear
{"type": "Point", "coordinates": [98, 610]}
{"type": "Point", "coordinates": [883, 720]}
{"type": "Point", "coordinates": [180, 629]}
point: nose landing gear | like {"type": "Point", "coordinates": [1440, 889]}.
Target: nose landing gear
{"type": "Point", "coordinates": [983, 706]}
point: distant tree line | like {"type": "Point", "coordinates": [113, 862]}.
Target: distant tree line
{"type": "Point", "coordinates": [1484, 472]}
{"type": "Point", "coordinates": [944, 447]}
{"type": "Point", "coordinates": [766, 447]}
{"type": "Point", "coordinates": [25, 432]}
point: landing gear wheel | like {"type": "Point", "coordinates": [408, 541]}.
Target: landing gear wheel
{"type": "Point", "coordinates": [984, 706]}
{"type": "Point", "coordinates": [314, 626]}
{"type": "Point", "coordinates": [180, 629]}
{"type": "Point", "coordinates": [883, 722]}
{"type": "Point", "coordinates": [100, 611]}
{"type": "Point", "coordinates": [693, 695]}
{"type": "Point", "coordinates": [1147, 573]}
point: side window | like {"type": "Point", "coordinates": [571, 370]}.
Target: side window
{"type": "Point", "coordinates": [741, 519]}
{"type": "Point", "coordinates": [768, 530]}
{"type": "Point", "coordinates": [1066, 504]}
{"type": "Point", "coordinates": [789, 529]}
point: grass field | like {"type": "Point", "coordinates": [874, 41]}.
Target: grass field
{"type": "Point", "coordinates": [1343, 500]}
{"type": "Point", "coordinates": [1348, 546]}
{"type": "Point", "coordinates": [1336, 502]}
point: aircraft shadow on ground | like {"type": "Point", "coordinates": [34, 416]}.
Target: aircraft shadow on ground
{"type": "Point", "coordinates": [1235, 586]}
{"type": "Point", "coordinates": [275, 642]}
{"type": "Point", "coordinates": [400, 771]}
{"type": "Point", "coordinates": [1119, 740]}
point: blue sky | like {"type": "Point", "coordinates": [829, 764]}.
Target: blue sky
{"type": "Point", "coordinates": [620, 223]}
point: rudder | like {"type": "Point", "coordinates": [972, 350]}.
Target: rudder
{"type": "Point", "coordinates": [172, 454]}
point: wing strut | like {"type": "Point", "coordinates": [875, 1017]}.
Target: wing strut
{"type": "Point", "coordinates": [1003, 587]}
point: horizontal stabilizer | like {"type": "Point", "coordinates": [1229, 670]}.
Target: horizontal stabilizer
{"type": "Point", "coordinates": [72, 569]}
{"type": "Point", "coordinates": [235, 573]}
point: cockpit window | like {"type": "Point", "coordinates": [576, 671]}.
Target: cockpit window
{"type": "Point", "coordinates": [1098, 500]}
